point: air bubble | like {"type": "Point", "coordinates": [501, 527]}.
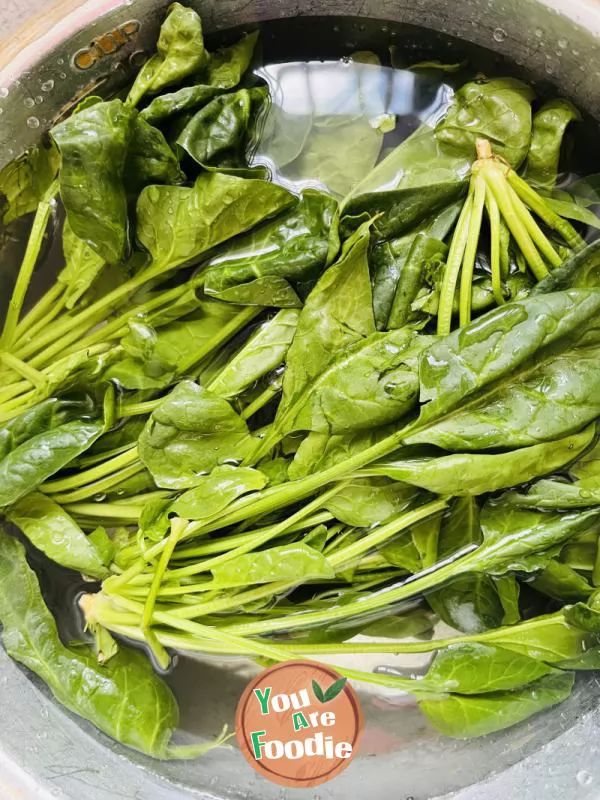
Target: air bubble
{"type": "Point", "coordinates": [539, 33]}
{"type": "Point", "coordinates": [549, 67]}
{"type": "Point", "coordinates": [33, 122]}
{"type": "Point", "coordinates": [60, 61]}
{"type": "Point", "coordinates": [4, 92]}
{"type": "Point", "coordinates": [47, 86]}
{"type": "Point", "coordinates": [29, 102]}
{"type": "Point", "coordinates": [499, 35]}
{"type": "Point", "coordinates": [39, 99]}
{"type": "Point", "coordinates": [62, 75]}
{"type": "Point", "coordinates": [575, 52]}
{"type": "Point", "coordinates": [563, 43]}
{"type": "Point", "coordinates": [584, 778]}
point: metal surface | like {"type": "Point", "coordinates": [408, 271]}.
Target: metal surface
{"type": "Point", "coordinates": [47, 753]}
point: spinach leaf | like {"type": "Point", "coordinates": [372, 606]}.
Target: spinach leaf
{"type": "Point", "coordinates": [124, 698]}
{"type": "Point", "coordinates": [264, 351]}
{"type": "Point", "coordinates": [479, 473]}
{"type": "Point", "coordinates": [24, 181]}
{"type": "Point", "coordinates": [293, 248]}
{"type": "Point", "coordinates": [82, 266]}
{"type": "Point", "coordinates": [49, 528]}
{"type": "Point", "coordinates": [556, 494]}
{"type": "Point", "coordinates": [498, 110]}
{"type": "Point", "coordinates": [319, 451]}
{"type": "Point", "coordinates": [290, 562]}
{"type": "Point", "coordinates": [465, 717]}
{"type": "Point", "coordinates": [41, 455]}
{"type": "Point", "coordinates": [581, 270]}
{"type": "Point", "coordinates": [189, 434]}
{"type": "Point", "coordinates": [216, 491]}
{"type": "Point", "coordinates": [473, 668]}
{"type": "Point", "coordinates": [180, 53]}
{"type": "Point", "coordinates": [176, 224]}
{"type": "Point", "coordinates": [549, 126]}
{"type": "Point", "coordinates": [223, 71]}
{"type": "Point", "coordinates": [43, 417]}
{"type": "Point", "coordinates": [370, 501]}
{"type": "Point", "coordinates": [93, 146]}
{"type": "Point", "coordinates": [149, 158]}
{"type": "Point", "coordinates": [425, 257]}
{"type": "Point", "coordinates": [480, 381]}
{"type": "Point", "coordinates": [220, 129]}
{"type": "Point", "coordinates": [562, 583]}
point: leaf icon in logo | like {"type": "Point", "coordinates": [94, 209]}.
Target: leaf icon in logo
{"type": "Point", "coordinates": [330, 693]}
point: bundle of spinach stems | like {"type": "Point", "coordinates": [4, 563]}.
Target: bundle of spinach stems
{"type": "Point", "coordinates": [264, 424]}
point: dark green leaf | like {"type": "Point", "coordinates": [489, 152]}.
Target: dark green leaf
{"type": "Point", "coordinates": [216, 491]}
{"type": "Point", "coordinates": [370, 501]}
{"type": "Point", "coordinates": [93, 146]}
{"type": "Point", "coordinates": [82, 267]}
{"type": "Point", "coordinates": [562, 583]}
{"type": "Point", "coordinates": [149, 158]}
{"type": "Point", "coordinates": [549, 126]}
{"type": "Point", "coordinates": [25, 180]}
{"type": "Point", "coordinates": [332, 691]}
{"type": "Point", "coordinates": [318, 692]}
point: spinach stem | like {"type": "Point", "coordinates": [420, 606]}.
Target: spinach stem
{"type": "Point", "coordinates": [453, 264]}
{"type": "Point", "coordinates": [177, 528]}
{"type": "Point", "coordinates": [30, 374]}
{"type": "Point", "coordinates": [259, 402]}
{"type": "Point", "coordinates": [139, 409]}
{"type": "Point", "coordinates": [97, 488]}
{"type": "Point", "coordinates": [107, 467]}
{"type": "Point", "coordinates": [536, 203]}
{"type": "Point", "coordinates": [470, 252]}
{"type": "Point", "coordinates": [534, 230]}
{"type": "Point", "coordinates": [44, 311]}
{"type": "Point", "coordinates": [495, 245]}
{"type": "Point", "coordinates": [496, 180]}
{"type": "Point", "coordinates": [245, 316]}
{"type": "Point", "coordinates": [34, 245]}
{"type": "Point", "coordinates": [123, 513]}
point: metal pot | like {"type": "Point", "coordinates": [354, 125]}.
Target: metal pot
{"type": "Point", "coordinates": [45, 752]}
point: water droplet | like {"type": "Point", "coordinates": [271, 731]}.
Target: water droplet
{"type": "Point", "coordinates": [499, 35]}
{"type": "Point", "coordinates": [33, 122]}
{"type": "Point", "coordinates": [29, 102]}
{"type": "Point", "coordinates": [584, 778]}
{"type": "Point", "coordinates": [99, 498]}
{"type": "Point", "coordinates": [1, 111]}
{"type": "Point", "coordinates": [539, 33]}
{"type": "Point", "coordinates": [62, 75]}
{"type": "Point", "coordinates": [563, 43]}
{"type": "Point", "coordinates": [336, 28]}
{"type": "Point", "coordinates": [60, 61]}
{"type": "Point", "coordinates": [4, 92]}
{"type": "Point", "coordinates": [345, 61]}
{"type": "Point", "coordinates": [47, 86]}
{"type": "Point", "coordinates": [575, 52]}
{"type": "Point", "coordinates": [549, 66]}
{"type": "Point", "coordinates": [39, 99]}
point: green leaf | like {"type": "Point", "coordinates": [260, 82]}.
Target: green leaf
{"type": "Point", "coordinates": [319, 451]}
{"type": "Point", "coordinates": [224, 71]}
{"type": "Point", "coordinates": [262, 352]}
{"type": "Point", "coordinates": [370, 501]}
{"type": "Point", "coordinates": [332, 692]}
{"type": "Point", "coordinates": [125, 698]}
{"type": "Point", "coordinates": [34, 460]}
{"type": "Point", "coordinates": [581, 270]}
{"type": "Point", "coordinates": [294, 248]}
{"type": "Point", "coordinates": [498, 110]}
{"type": "Point", "coordinates": [479, 473]}
{"type": "Point", "coordinates": [26, 180]}
{"type": "Point", "coordinates": [176, 224]}
{"type": "Point", "coordinates": [555, 494]}
{"type": "Point", "coordinates": [82, 267]}
{"type": "Point", "coordinates": [189, 434]}
{"type": "Point", "coordinates": [425, 256]}
{"type": "Point", "coordinates": [549, 126]}
{"type": "Point", "coordinates": [318, 692]}
{"type": "Point", "coordinates": [149, 158]}
{"type": "Point", "coordinates": [49, 528]}
{"type": "Point", "coordinates": [467, 717]}
{"type": "Point", "coordinates": [93, 146]}
{"type": "Point", "coordinates": [290, 562]}
{"type": "Point", "coordinates": [180, 53]}
{"type": "Point", "coordinates": [216, 491]}
{"type": "Point", "coordinates": [562, 583]}
{"type": "Point", "coordinates": [478, 383]}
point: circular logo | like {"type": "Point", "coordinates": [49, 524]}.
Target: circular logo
{"type": "Point", "coordinates": [299, 723]}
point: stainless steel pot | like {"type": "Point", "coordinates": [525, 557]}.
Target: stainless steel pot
{"type": "Point", "coordinates": [46, 753]}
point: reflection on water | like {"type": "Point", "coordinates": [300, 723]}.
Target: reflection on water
{"type": "Point", "coordinates": [330, 122]}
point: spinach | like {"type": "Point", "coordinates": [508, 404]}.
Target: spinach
{"type": "Point", "coordinates": [41, 455]}
{"type": "Point", "coordinates": [562, 583]}
{"type": "Point", "coordinates": [82, 266]}
{"type": "Point", "coordinates": [57, 535]}
{"type": "Point", "coordinates": [223, 71]}
{"type": "Point", "coordinates": [123, 698]}
{"type": "Point", "coordinates": [549, 126]}
{"type": "Point", "coordinates": [426, 254]}
{"type": "Point", "coordinates": [370, 501]}
{"type": "Point", "coordinates": [177, 224]}
{"type": "Point", "coordinates": [479, 473]}
{"type": "Point", "coordinates": [295, 562]}
{"type": "Point", "coordinates": [220, 129]}
{"type": "Point", "coordinates": [264, 351]}
{"type": "Point", "coordinates": [465, 717]}
{"type": "Point", "coordinates": [189, 434]}
{"type": "Point", "coordinates": [180, 53]}
{"type": "Point", "coordinates": [149, 158]}
{"type": "Point", "coordinates": [93, 146]}
{"type": "Point", "coordinates": [288, 253]}
{"type": "Point", "coordinates": [214, 492]}
{"type": "Point", "coordinates": [579, 271]}
{"type": "Point", "coordinates": [26, 180]}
